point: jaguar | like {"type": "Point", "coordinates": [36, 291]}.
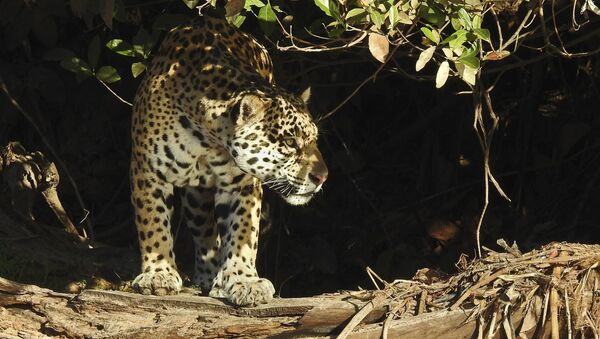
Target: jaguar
{"type": "Point", "coordinates": [210, 122]}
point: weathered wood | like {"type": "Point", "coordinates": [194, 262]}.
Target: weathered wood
{"type": "Point", "coordinates": [95, 313]}
{"type": "Point", "coordinates": [441, 324]}
{"type": "Point", "coordinates": [32, 311]}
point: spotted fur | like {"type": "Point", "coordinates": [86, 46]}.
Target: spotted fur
{"type": "Point", "coordinates": [209, 118]}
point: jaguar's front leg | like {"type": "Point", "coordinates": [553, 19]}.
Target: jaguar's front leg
{"type": "Point", "coordinates": [153, 204]}
{"type": "Point", "coordinates": [237, 212]}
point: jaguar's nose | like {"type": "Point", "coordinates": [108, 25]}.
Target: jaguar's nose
{"type": "Point", "coordinates": [317, 179]}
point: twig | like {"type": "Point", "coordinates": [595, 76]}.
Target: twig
{"type": "Point", "coordinates": [558, 260]}
{"type": "Point", "coordinates": [568, 311]}
{"type": "Point", "coordinates": [388, 320]}
{"type": "Point", "coordinates": [317, 48]}
{"type": "Point", "coordinates": [374, 275]}
{"type": "Point", "coordinates": [115, 94]}
{"type": "Point", "coordinates": [492, 328]}
{"type": "Point", "coordinates": [498, 26]}
{"type": "Point", "coordinates": [485, 137]}
{"type": "Point", "coordinates": [556, 272]}
{"type": "Point", "coordinates": [58, 160]}
{"type": "Point", "coordinates": [574, 24]}
{"type": "Point", "coordinates": [509, 331]}
{"type": "Point", "coordinates": [422, 301]}
{"type": "Point", "coordinates": [480, 325]}
{"type": "Point", "coordinates": [480, 283]}
{"type": "Point", "coordinates": [516, 34]}
{"type": "Point", "coordinates": [554, 312]}
{"type": "Point", "coordinates": [376, 302]}
{"type": "Point", "coordinates": [545, 310]}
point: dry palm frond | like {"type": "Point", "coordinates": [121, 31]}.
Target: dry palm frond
{"type": "Point", "coordinates": [553, 291]}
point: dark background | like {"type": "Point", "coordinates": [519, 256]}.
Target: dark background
{"type": "Point", "coordinates": [406, 183]}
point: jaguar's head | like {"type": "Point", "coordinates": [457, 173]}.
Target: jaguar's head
{"type": "Point", "coordinates": [275, 139]}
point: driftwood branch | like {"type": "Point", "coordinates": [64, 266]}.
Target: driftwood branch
{"type": "Point", "coordinates": [23, 175]}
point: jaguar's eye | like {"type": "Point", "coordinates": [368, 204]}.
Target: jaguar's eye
{"type": "Point", "coordinates": [291, 142]}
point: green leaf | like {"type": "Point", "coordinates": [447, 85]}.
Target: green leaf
{"type": "Point", "coordinates": [76, 65]}
{"type": "Point", "coordinates": [355, 12]}
{"type": "Point", "coordinates": [108, 74]}
{"type": "Point", "coordinates": [432, 35]}
{"type": "Point", "coordinates": [393, 16]}
{"type": "Point", "coordinates": [467, 73]}
{"type": "Point", "coordinates": [93, 52]}
{"type": "Point", "coordinates": [336, 32]}
{"type": "Point", "coordinates": [253, 3]}
{"type": "Point", "coordinates": [237, 20]}
{"type": "Point", "coordinates": [456, 39]}
{"type": "Point", "coordinates": [121, 47]}
{"type": "Point", "coordinates": [143, 43]}
{"type": "Point", "coordinates": [442, 74]}
{"type": "Point", "coordinates": [482, 33]}
{"type": "Point", "coordinates": [470, 57]}
{"type": "Point", "coordinates": [288, 19]}
{"type": "Point", "coordinates": [191, 3]}
{"type": "Point", "coordinates": [376, 17]}
{"type": "Point", "coordinates": [448, 53]}
{"type": "Point", "coordinates": [456, 23]}
{"type": "Point", "coordinates": [137, 68]}
{"type": "Point", "coordinates": [465, 18]}
{"type": "Point", "coordinates": [477, 21]}
{"type": "Point", "coordinates": [424, 58]}
{"type": "Point", "coordinates": [432, 15]}
{"type": "Point", "coordinates": [267, 18]}
{"type": "Point", "coordinates": [470, 61]}
{"type": "Point", "coordinates": [404, 18]}
{"type": "Point", "coordinates": [324, 6]}
{"type": "Point", "coordinates": [334, 9]}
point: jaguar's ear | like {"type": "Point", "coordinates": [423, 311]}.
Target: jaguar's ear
{"type": "Point", "coordinates": [252, 107]}
{"type": "Point", "coordinates": [305, 96]}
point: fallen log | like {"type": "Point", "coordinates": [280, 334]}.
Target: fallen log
{"type": "Point", "coordinates": [32, 311]}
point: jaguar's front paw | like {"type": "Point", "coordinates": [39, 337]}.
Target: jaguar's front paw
{"type": "Point", "coordinates": [246, 291]}
{"type": "Point", "coordinates": [158, 283]}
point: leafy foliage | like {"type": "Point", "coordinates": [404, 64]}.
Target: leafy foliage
{"type": "Point", "coordinates": [440, 31]}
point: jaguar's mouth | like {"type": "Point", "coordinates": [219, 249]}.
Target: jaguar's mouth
{"type": "Point", "coordinates": [289, 192]}
{"type": "Point", "coordinates": [298, 199]}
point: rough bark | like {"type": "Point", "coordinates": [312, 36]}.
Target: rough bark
{"type": "Point", "coordinates": [32, 311]}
